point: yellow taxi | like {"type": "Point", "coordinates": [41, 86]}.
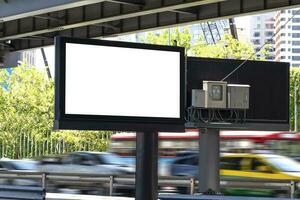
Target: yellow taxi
{"type": "Point", "coordinates": [258, 167]}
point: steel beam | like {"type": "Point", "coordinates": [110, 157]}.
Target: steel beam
{"type": "Point", "coordinates": [112, 18]}
{"type": "Point", "coordinates": [140, 12]}
{"type": "Point", "coordinates": [17, 9]}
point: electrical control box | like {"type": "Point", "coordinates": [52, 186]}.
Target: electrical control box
{"type": "Point", "coordinates": [215, 94]}
{"type": "Point", "coordinates": [198, 98]}
{"type": "Point", "coordinates": [238, 96]}
{"type": "Point", "coordinates": [219, 94]}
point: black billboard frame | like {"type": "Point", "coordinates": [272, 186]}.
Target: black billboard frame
{"type": "Point", "coordinates": [249, 124]}
{"type": "Point", "coordinates": [113, 123]}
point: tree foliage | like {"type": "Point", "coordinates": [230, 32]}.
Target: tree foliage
{"type": "Point", "coordinates": [294, 84]}
{"type": "Point", "coordinates": [174, 37]}
{"type": "Point", "coordinates": [27, 114]}
{"type": "Point", "coordinates": [227, 47]}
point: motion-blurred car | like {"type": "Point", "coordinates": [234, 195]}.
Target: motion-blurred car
{"type": "Point", "coordinates": [88, 162]}
{"type": "Point", "coordinates": [16, 165]}
{"type": "Point", "coordinates": [85, 163]}
{"type": "Point", "coordinates": [245, 166]}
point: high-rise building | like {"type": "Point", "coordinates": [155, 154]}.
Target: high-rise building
{"type": "Point", "coordinates": [262, 29]}
{"type": "Point", "coordinates": [288, 38]}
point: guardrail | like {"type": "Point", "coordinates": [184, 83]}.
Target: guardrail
{"type": "Point", "coordinates": [112, 182]}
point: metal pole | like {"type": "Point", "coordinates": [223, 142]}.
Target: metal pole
{"type": "Point", "coordinates": [44, 179]}
{"type": "Point", "coordinates": [192, 181]}
{"type": "Point", "coordinates": [46, 63]}
{"type": "Point", "coordinates": [146, 179]}
{"type": "Point", "coordinates": [111, 185]}
{"type": "Point", "coordinates": [233, 29]}
{"type": "Point", "coordinates": [292, 188]}
{"type": "Point", "coordinates": [209, 159]}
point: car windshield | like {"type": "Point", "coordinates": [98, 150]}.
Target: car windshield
{"type": "Point", "coordinates": [24, 165]}
{"type": "Point", "coordinates": [111, 159]}
{"type": "Point", "coordinates": [284, 164]}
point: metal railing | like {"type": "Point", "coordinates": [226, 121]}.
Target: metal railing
{"type": "Point", "coordinates": [112, 182]}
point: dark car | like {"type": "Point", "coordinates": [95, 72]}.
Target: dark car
{"type": "Point", "coordinates": [185, 166]}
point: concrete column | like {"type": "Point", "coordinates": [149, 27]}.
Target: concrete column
{"type": "Point", "coordinates": [209, 159]}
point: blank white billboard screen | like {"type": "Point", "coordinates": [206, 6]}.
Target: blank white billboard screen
{"type": "Point", "coordinates": [118, 81]}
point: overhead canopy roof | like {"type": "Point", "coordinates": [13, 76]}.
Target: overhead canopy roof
{"type": "Point", "coordinates": [34, 23]}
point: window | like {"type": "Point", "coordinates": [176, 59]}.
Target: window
{"type": "Point", "coordinates": [282, 49]}
{"type": "Point", "coordinates": [282, 57]}
{"type": "Point", "coordinates": [269, 33]}
{"type": "Point", "coordinates": [282, 42]}
{"type": "Point", "coordinates": [256, 34]}
{"type": "Point", "coordinates": [217, 94]}
{"type": "Point", "coordinates": [296, 28]}
{"type": "Point", "coordinates": [295, 50]}
{"type": "Point", "coordinates": [256, 41]}
{"type": "Point", "coordinates": [188, 161]}
{"type": "Point", "coordinates": [282, 19]}
{"type": "Point", "coordinates": [295, 57]}
{"type": "Point", "coordinates": [295, 12]}
{"type": "Point", "coordinates": [296, 43]}
{"type": "Point", "coordinates": [270, 41]}
{"type": "Point", "coordinates": [282, 34]}
{"type": "Point", "coordinates": [270, 57]}
{"type": "Point", "coordinates": [296, 35]}
{"type": "Point", "coordinates": [270, 26]}
{"type": "Point", "coordinates": [297, 20]}
{"type": "Point", "coordinates": [259, 166]}
{"type": "Point", "coordinates": [231, 163]}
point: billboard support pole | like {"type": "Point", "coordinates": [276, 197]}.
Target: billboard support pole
{"type": "Point", "coordinates": [146, 178]}
{"type": "Point", "coordinates": [209, 159]}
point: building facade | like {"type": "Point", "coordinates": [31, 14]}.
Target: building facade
{"type": "Point", "coordinates": [287, 41]}
{"type": "Point", "coordinates": [262, 29]}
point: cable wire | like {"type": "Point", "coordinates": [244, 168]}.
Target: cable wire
{"type": "Point", "coordinates": [261, 47]}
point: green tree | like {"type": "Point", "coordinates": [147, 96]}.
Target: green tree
{"type": "Point", "coordinates": [27, 105]}
{"type": "Point", "coordinates": [174, 37]}
{"type": "Point", "coordinates": [27, 114]}
{"type": "Point", "coordinates": [294, 83]}
{"type": "Point", "coordinates": [227, 47]}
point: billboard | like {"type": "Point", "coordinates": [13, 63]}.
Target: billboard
{"type": "Point", "coordinates": [109, 85]}
{"type": "Point", "coordinates": [269, 88]}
